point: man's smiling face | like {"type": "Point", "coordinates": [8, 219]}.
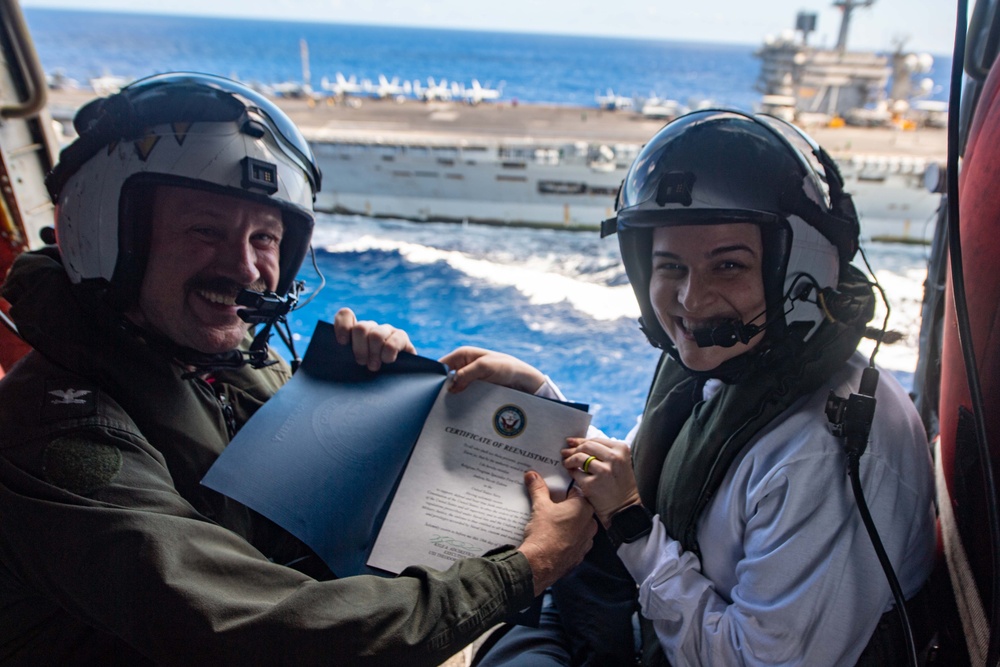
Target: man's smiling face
{"type": "Point", "coordinates": [204, 249]}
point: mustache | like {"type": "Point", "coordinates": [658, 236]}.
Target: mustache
{"type": "Point", "coordinates": [221, 285]}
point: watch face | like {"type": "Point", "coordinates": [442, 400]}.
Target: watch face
{"type": "Point", "coordinates": [632, 522]}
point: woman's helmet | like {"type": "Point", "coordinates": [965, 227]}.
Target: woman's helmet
{"type": "Point", "coordinates": [183, 129]}
{"type": "Point", "coordinates": [720, 166]}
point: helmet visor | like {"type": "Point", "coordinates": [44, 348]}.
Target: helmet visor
{"type": "Point", "coordinates": [154, 101]}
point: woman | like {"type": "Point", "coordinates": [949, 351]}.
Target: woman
{"type": "Point", "coordinates": [738, 524]}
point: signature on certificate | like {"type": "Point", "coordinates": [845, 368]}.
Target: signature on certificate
{"type": "Point", "coordinates": [449, 541]}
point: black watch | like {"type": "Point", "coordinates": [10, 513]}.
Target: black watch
{"type": "Point", "coordinates": [629, 524]}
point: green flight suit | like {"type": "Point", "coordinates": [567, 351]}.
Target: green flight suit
{"type": "Point", "coordinates": [112, 553]}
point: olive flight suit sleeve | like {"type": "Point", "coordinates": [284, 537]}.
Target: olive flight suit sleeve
{"type": "Point", "coordinates": [92, 523]}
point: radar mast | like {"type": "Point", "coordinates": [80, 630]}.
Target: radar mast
{"type": "Point", "coordinates": [848, 6]}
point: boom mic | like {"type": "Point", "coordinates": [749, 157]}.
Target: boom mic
{"type": "Point", "coordinates": [734, 330]}
{"type": "Point", "coordinates": [264, 307]}
{"type": "Point", "coordinates": [269, 309]}
{"type": "Point", "coordinates": [726, 334]}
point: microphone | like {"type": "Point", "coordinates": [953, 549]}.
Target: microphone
{"type": "Point", "coordinates": [269, 309]}
{"type": "Point", "coordinates": [734, 330]}
{"type": "Point", "coordinates": [263, 307]}
{"type": "Point", "coordinates": [726, 334]}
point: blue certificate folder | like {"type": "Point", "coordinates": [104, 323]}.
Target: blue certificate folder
{"type": "Point", "coordinates": [323, 457]}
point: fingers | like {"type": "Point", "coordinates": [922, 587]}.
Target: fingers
{"type": "Point", "coordinates": [373, 344]}
{"type": "Point", "coordinates": [602, 471]}
{"type": "Point", "coordinates": [462, 356]}
{"type": "Point", "coordinates": [538, 490]}
{"type": "Point", "coordinates": [541, 497]}
{"type": "Point", "coordinates": [586, 464]}
{"type": "Point", "coordinates": [343, 322]}
{"type": "Point", "coordinates": [596, 455]}
{"type": "Point", "coordinates": [558, 535]}
{"type": "Point", "coordinates": [377, 344]}
{"type": "Point", "coordinates": [465, 361]}
{"type": "Point", "coordinates": [474, 363]}
{"type": "Point", "coordinates": [476, 370]}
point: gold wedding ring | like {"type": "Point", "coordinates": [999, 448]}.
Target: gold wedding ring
{"type": "Point", "coordinates": [586, 464]}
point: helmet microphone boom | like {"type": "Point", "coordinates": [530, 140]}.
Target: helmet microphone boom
{"type": "Point", "coordinates": [726, 334]}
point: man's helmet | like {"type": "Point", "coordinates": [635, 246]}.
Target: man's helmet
{"type": "Point", "coordinates": [720, 166]}
{"type": "Point", "coordinates": [182, 129]}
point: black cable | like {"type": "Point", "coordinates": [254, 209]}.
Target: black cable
{"type": "Point", "coordinates": [289, 340]}
{"type": "Point", "coordinates": [885, 302]}
{"type": "Point", "coordinates": [965, 327]}
{"type": "Point", "coordinates": [322, 281]}
{"type": "Point", "coordinates": [851, 419]}
{"type": "Point", "coordinates": [853, 471]}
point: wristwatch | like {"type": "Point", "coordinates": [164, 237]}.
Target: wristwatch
{"type": "Point", "coordinates": [629, 524]}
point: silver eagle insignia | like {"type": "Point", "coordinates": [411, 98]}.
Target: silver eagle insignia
{"type": "Point", "coordinates": [67, 396]}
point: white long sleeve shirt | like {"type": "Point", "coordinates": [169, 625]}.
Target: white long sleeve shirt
{"type": "Point", "coordinates": [788, 574]}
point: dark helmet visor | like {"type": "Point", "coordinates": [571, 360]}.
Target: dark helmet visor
{"type": "Point", "coordinates": [177, 97]}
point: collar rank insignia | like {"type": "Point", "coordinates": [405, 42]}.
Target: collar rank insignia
{"type": "Point", "coordinates": [67, 398]}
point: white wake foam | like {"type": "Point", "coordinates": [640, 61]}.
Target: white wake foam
{"type": "Point", "coordinates": [602, 302]}
{"type": "Point", "coordinates": [539, 286]}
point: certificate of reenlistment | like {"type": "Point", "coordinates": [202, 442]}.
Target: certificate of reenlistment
{"type": "Point", "coordinates": [463, 492]}
{"type": "Point", "coordinates": [324, 456]}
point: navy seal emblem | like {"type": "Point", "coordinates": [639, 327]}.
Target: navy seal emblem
{"type": "Point", "coordinates": [509, 421]}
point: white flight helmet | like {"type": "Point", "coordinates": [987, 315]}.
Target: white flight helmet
{"type": "Point", "coordinates": [184, 129]}
{"type": "Point", "coordinates": [720, 166]}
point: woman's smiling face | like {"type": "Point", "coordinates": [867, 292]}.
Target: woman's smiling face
{"type": "Point", "coordinates": [704, 275]}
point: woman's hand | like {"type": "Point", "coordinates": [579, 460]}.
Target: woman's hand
{"type": "Point", "coordinates": [602, 468]}
{"type": "Point", "coordinates": [373, 344]}
{"type": "Point", "coordinates": [475, 363]}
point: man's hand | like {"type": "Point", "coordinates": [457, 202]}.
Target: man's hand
{"type": "Point", "coordinates": [373, 344]}
{"type": "Point", "coordinates": [558, 534]}
{"type": "Point", "coordinates": [475, 363]}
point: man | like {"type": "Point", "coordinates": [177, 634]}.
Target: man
{"type": "Point", "coordinates": [183, 194]}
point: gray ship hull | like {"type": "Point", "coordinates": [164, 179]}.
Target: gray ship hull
{"type": "Point", "coordinates": [571, 185]}
{"type": "Point", "coordinates": [529, 184]}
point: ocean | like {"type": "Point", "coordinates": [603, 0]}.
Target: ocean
{"type": "Point", "coordinates": [530, 68]}
{"type": "Point", "coordinates": [559, 300]}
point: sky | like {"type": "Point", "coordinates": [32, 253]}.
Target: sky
{"type": "Point", "coordinates": [925, 25]}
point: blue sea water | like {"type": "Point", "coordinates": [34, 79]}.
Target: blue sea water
{"type": "Point", "coordinates": [559, 300]}
{"type": "Point", "coordinates": [533, 68]}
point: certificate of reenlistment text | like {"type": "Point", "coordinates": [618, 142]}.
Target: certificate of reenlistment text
{"type": "Point", "coordinates": [463, 492]}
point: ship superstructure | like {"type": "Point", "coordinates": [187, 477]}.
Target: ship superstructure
{"type": "Point", "coordinates": [807, 84]}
